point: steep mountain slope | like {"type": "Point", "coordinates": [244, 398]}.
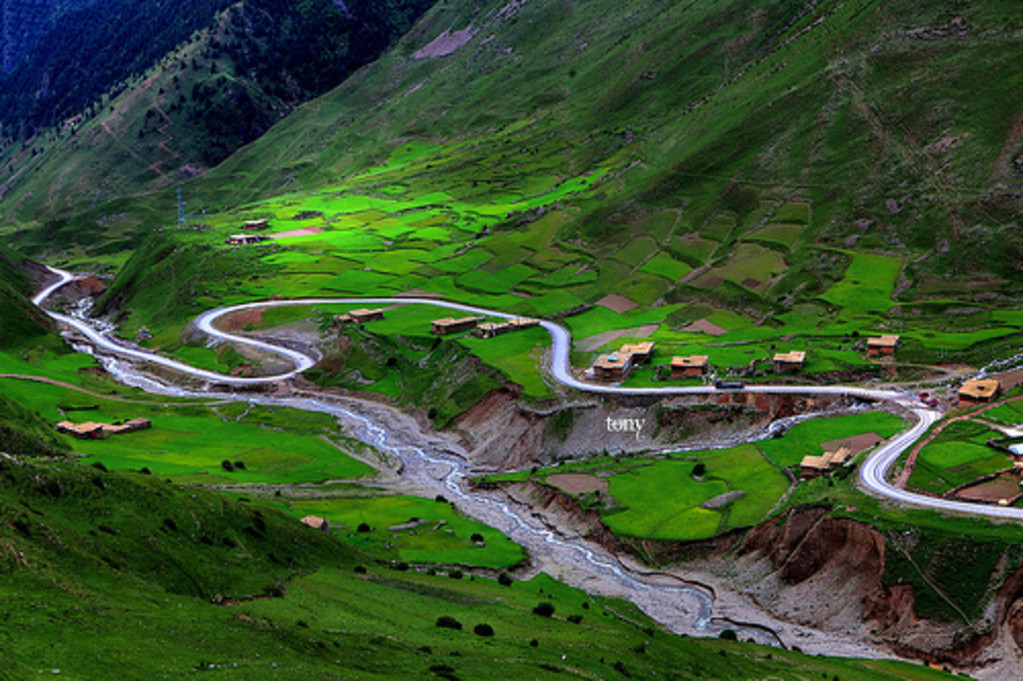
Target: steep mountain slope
{"type": "Point", "coordinates": [90, 52]}
{"type": "Point", "coordinates": [741, 177]}
{"type": "Point", "coordinates": [72, 141]}
{"type": "Point", "coordinates": [857, 108]}
{"type": "Point", "coordinates": [23, 324]}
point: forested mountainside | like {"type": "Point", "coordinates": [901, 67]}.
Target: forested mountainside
{"type": "Point", "coordinates": [89, 53]}
{"type": "Point", "coordinates": [294, 49]}
{"type": "Point", "coordinates": [23, 22]}
{"type": "Point", "coordinates": [144, 117]}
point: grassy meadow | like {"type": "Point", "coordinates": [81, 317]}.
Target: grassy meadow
{"type": "Point", "coordinates": [957, 456]}
{"type": "Point", "coordinates": [665, 497]}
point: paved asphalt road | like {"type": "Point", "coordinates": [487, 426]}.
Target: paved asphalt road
{"type": "Point", "coordinates": [872, 472]}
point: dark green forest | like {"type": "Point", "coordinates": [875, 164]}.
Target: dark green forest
{"type": "Point", "coordinates": [295, 49]}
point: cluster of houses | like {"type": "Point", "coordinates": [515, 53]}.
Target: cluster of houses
{"type": "Point", "coordinates": [447, 326]}
{"type": "Point", "coordinates": [813, 466]}
{"type": "Point", "coordinates": [479, 326]}
{"type": "Point", "coordinates": [97, 431]}
{"type": "Point", "coordinates": [246, 239]}
{"type": "Point", "coordinates": [616, 366]}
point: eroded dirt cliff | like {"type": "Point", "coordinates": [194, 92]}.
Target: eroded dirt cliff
{"type": "Point", "coordinates": [811, 569]}
{"type": "Point", "coordinates": [500, 432]}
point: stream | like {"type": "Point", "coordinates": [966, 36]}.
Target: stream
{"type": "Point", "coordinates": [432, 465]}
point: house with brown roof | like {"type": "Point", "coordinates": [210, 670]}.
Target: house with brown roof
{"type": "Point", "coordinates": [641, 352]}
{"type": "Point", "coordinates": [979, 391]}
{"type": "Point", "coordinates": [694, 365]}
{"type": "Point", "coordinates": [812, 466]}
{"type": "Point", "coordinates": [359, 316]}
{"type": "Point", "coordinates": [616, 366]}
{"type": "Point", "coordinates": [450, 325]}
{"type": "Point", "coordinates": [882, 345]}
{"type": "Point", "coordinates": [316, 522]}
{"type": "Point", "coordinates": [245, 239]}
{"type": "Point", "coordinates": [255, 225]}
{"type": "Point", "coordinates": [785, 362]}
{"type": "Point", "coordinates": [91, 430]}
{"type": "Point", "coordinates": [83, 431]}
{"type": "Point", "coordinates": [491, 329]}
{"type": "Point", "coordinates": [140, 424]}
{"type": "Point", "coordinates": [613, 367]}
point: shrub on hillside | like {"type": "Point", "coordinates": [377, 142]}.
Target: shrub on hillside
{"type": "Point", "coordinates": [544, 609]}
{"type": "Point", "coordinates": [448, 622]}
{"type": "Point", "coordinates": [483, 629]}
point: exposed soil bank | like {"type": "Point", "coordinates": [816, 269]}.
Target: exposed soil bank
{"type": "Point", "coordinates": [501, 433]}
{"type": "Point", "coordinates": [816, 580]}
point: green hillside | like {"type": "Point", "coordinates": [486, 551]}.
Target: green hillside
{"type": "Point", "coordinates": [174, 581]}
{"type": "Point", "coordinates": [761, 170]}
{"type": "Point", "coordinates": [23, 324]}
{"type": "Point", "coordinates": [717, 109]}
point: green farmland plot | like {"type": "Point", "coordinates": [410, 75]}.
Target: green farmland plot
{"type": "Point", "coordinates": [190, 443]}
{"type": "Point", "coordinates": [427, 531]}
{"type": "Point", "coordinates": [957, 456]}
{"type": "Point", "coordinates": [665, 500]}
{"type": "Point", "coordinates": [662, 501]}
{"type": "Point", "coordinates": [517, 355]}
{"type": "Point", "coordinates": [867, 285]}
{"type": "Point", "coordinates": [665, 266]}
{"type": "Point", "coordinates": [783, 235]}
{"type": "Point", "coordinates": [498, 282]}
{"type": "Point", "coordinates": [805, 438]}
{"type": "Point", "coordinates": [1010, 413]}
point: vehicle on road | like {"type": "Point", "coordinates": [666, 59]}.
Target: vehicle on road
{"type": "Point", "coordinates": [729, 385]}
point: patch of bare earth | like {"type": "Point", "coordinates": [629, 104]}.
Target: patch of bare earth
{"type": "Point", "coordinates": [722, 500]}
{"type": "Point", "coordinates": [616, 303]}
{"type": "Point", "coordinates": [591, 343]}
{"type": "Point", "coordinates": [305, 231]}
{"type": "Point", "coordinates": [706, 326]}
{"type": "Point", "coordinates": [238, 321]}
{"type": "Point", "coordinates": [577, 483]}
{"type": "Point", "coordinates": [446, 43]}
{"type": "Point", "coordinates": [856, 443]}
{"type": "Point", "coordinates": [708, 281]}
{"type": "Point", "coordinates": [1003, 487]}
{"type": "Point", "coordinates": [1010, 379]}
{"type": "Point", "coordinates": [417, 293]}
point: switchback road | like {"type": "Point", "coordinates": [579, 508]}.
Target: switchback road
{"type": "Point", "coordinates": [873, 471]}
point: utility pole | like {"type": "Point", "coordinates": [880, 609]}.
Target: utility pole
{"type": "Point", "coordinates": [181, 211]}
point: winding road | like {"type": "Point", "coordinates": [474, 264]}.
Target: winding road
{"type": "Point", "coordinates": [872, 473]}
